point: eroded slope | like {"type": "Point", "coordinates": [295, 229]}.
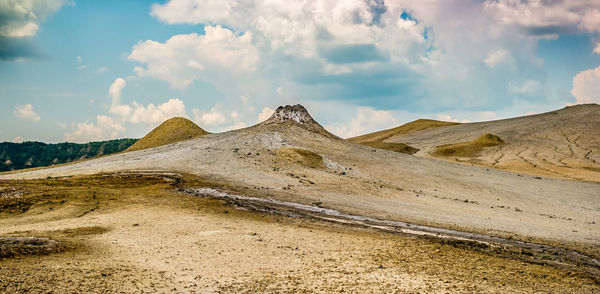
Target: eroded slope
{"type": "Point", "coordinates": [560, 144]}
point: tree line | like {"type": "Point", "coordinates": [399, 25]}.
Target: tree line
{"type": "Point", "coordinates": [15, 156]}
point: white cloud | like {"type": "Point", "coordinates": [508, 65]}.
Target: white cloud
{"type": "Point", "coordinates": [413, 52]}
{"type": "Point", "coordinates": [18, 139]}
{"type": "Point", "coordinates": [138, 113]}
{"type": "Point", "coordinates": [102, 69]}
{"type": "Point", "coordinates": [152, 114]}
{"type": "Point", "coordinates": [499, 58]}
{"type": "Point", "coordinates": [446, 117]}
{"type": "Point", "coordinates": [19, 30]}
{"type": "Point", "coordinates": [21, 18]}
{"type": "Point", "coordinates": [182, 59]}
{"type": "Point", "coordinates": [108, 123]}
{"type": "Point", "coordinates": [529, 87]}
{"type": "Point", "coordinates": [365, 121]}
{"type": "Point", "coordinates": [597, 49]}
{"type": "Point", "coordinates": [84, 66]}
{"type": "Point", "coordinates": [115, 90]}
{"type": "Point", "coordinates": [79, 59]}
{"type": "Point", "coordinates": [26, 112]}
{"type": "Point", "coordinates": [547, 18]}
{"type": "Point", "coordinates": [265, 114]}
{"type": "Point", "coordinates": [193, 11]}
{"type": "Point", "coordinates": [214, 117]}
{"type": "Point", "coordinates": [586, 86]}
{"type": "Point", "coordinates": [105, 128]}
{"type": "Point", "coordinates": [218, 119]}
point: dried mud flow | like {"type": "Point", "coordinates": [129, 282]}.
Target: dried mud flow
{"type": "Point", "coordinates": [147, 232]}
{"type": "Point", "coordinates": [509, 248]}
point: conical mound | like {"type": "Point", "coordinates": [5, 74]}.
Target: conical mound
{"type": "Point", "coordinates": [172, 130]}
{"type": "Point", "coordinates": [299, 116]}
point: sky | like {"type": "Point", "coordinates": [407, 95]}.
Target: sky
{"type": "Point", "coordinates": [84, 70]}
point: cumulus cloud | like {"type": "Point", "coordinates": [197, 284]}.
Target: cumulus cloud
{"type": "Point", "coordinates": [182, 59]}
{"type": "Point", "coordinates": [218, 119]}
{"type": "Point", "coordinates": [152, 114]}
{"type": "Point", "coordinates": [110, 126]}
{"type": "Point", "coordinates": [529, 87]}
{"type": "Point", "coordinates": [395, 54]}
{"type": "Point", "coordinates": [391, 51]}
{"type": "Point", "coordinates": [586, 86]}
{"type": "Point", "coordinates": [105, 128]}
{"type": "Point", "coordinates": [265, 114]}
{"type": "Point", "coordinates": [365, 121]}
{"type": "Point", "coordinates": [213, 117]}
{"type": "Point", "coordinates": [18, 139]}
{"type": "Point", "coordinates": [447, 117]}
{"type": "Point", "coordinates": [499, 58]}
{"type": "Point", "coordinates": [547, 18]}
{"type": "Point", "coordinates": [19, 21]}
{"type": "Point", "coordinates": [193, 11]}
{"type": "Point", "coordinates": [114, 91]}
{"type": "Point", "coordinates": [138, 113]}
{"type": "Point", "coordinates": [26, 112]}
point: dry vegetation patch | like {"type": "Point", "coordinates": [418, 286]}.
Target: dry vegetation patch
{"type": "Point", "coordinates": [396, 147]}
{"type": "Point", "coordinates": [470, 148]}
{"type": "Point", "coordinates": [300, 156]}
{"type": "Point", "coordinates": [15, 246]}
{"type": "Point", "coordinates": [411, 127]}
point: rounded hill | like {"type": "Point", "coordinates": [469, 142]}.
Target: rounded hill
{"type": "Point", "coordinates": [172, 130]}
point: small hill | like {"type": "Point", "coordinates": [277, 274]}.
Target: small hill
{"type": "Point", "coordinates": [470, 148]}
{"type": "Point", "coordinates": [411, 127]}
{"type": "Point", "coordinates": [172, 130]}
{"type": "Point", "coordinates": [376, 139]}
{"type": "Point", "coordinates": [15, 156]}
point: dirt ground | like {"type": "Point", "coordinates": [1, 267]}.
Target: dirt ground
{"type": "Point", "coordinates": [134, 233]}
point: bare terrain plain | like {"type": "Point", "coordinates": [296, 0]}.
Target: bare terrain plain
{"type": "Point", "coordinates": [287, 206]}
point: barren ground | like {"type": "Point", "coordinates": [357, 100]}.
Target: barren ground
{"type": "Point", "coordinates": [132, 233]}
{"type": "Point", "coordinates": [142, 234]}
{"type": "Point", "coordinates": [560, 144]}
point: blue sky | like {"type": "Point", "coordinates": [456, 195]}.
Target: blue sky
{"type": "Point", "coordinates": [94, 70]}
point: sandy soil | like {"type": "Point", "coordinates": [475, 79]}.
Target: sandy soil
{"type": "Point", "coordinates": [560, 144]}
{"type": "Point", "coordinates": [138, 234]}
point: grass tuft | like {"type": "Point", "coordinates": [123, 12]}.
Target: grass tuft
{"type": "Point", "coordinates": [396, 147]}
{"type": "Point", "coordinates": [302, 157]}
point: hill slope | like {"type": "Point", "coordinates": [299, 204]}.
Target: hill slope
{"type": "Point", "coordinates": [295, 160]}
{"type": "Point", "coordinates": [411, 127]}
{"type": "Point", "coordinates": [376, 139]}
{"type": "Point", "coordinates": [561, 144]}
{"type": "Point", "coordinates": [172, 130]}
{"type": "Point", "coordinates": [15, 156]}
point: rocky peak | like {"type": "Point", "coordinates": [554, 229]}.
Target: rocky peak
{"type": "Point", "coordinates": [296, 113]}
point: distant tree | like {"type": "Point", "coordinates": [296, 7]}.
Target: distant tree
{"type": "Point", "coordinates": [15, 156]}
